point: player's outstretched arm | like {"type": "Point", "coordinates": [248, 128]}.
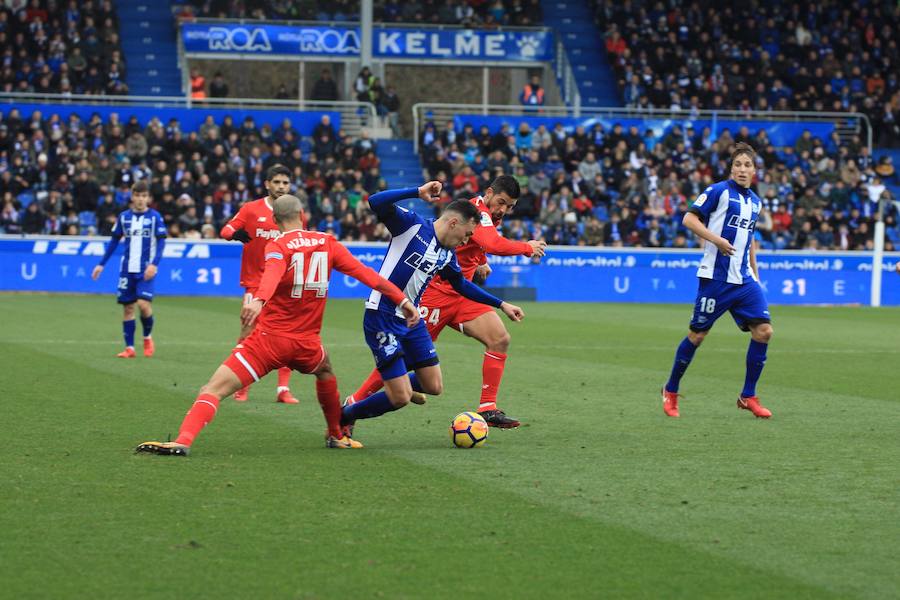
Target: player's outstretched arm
{"type": "Point", "coordinates": [382, 203]}
{"type": "Point", "coordinates": [487, 236]}
{"type": "Point", "coordinates": [348, 264]}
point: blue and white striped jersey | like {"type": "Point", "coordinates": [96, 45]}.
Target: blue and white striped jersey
{"type": "Point", "coordinates": [414, 255]}
{"type": "Point", "coordinates": [730, 211]}
{"type": "Point", "coordinates": [142, 232]}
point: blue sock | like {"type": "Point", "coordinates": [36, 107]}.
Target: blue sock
{"type": "Point", "coordinates": [756, 360]}
{"type": "Point", "coordinates": [683, 357]}
{"type": "Point", "coordinates": [414, 381]}
{"type": "Point", "coordinates": [128, 331]}
{"type": "Point", "coordinates": [374, 406]}
{"type": "Point", "coordinates": [147, 323]}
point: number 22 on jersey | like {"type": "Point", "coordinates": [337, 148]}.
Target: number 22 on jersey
{"type": "Point", "coordinates": [316, 276]}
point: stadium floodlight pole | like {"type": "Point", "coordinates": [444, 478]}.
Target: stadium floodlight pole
{"type": "Point", "coordinates": [365, 34]}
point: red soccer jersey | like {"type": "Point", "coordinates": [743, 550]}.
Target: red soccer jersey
{"type": "Point", "coordinates": [256, 219]}
{"type": "Point", "coordinates": [294, 284]}
{"type": "Point", "coordinates": [486, 240]}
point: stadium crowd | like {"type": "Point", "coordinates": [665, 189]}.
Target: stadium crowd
{"type": "Point", "coordinates": [627, 187]}
{"type": "Point", "coordinates": [796, 55]}
{"type": "Point", "coordinates": [61, 47]}
{"type": "Point", "coordinates": [73, 177]}
{"type": "Point", "coordinates": [469, 13]}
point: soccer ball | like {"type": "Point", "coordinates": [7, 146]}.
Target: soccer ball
{"type": "Point", "coordinates": [468, 430]}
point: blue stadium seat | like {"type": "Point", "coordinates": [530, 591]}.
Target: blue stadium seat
{"type": "Point", "coordinates": [25, 198]}
{"type": "Point", "coordinates": [87, 219]}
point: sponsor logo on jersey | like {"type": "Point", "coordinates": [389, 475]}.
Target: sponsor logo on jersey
{"type": "Point", "coordinates": [701, 199]}
{"type": "Point", "coordinates": [741, 223]}
{"type": "Point", "coordinates": [486, 220]}
{"type": "Point", "coordinates": [261, 219]}
{"type": "Point", "coordinates": [267, 233]}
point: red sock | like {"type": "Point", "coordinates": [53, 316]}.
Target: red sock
{"type": "Point", "coordinates": [330, 401]}
{"type": "Point", "coordinates": [369, 386]}
{"type": "Point", "coordinates": [284, 377]}
{"type": "Point", "coordinates": [201, 413]}
{"type": "Point", "coordinates": [491, 374]}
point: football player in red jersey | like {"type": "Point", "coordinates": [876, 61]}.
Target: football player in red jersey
{"type": "Point", "coordinates": [254, 227]}
{"type": "Point", "coordinates": [287, 312]}
{"type": "Point", "coordinates": [441, 305]}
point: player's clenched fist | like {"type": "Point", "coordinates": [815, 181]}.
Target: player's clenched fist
{"type": "Point", "coordinates": [512, 311]}
{"type": "Point", "coordinates": [431, 191]}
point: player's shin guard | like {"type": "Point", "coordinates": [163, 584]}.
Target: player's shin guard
{"type": "Point", "coordinates": [284, 377]}
{"type": "Point", "coordinates": [756, 360]}
{"type": "Point", "coordinates": [330, 401]}
{"type": "Point", "coordinates": [491, 374]}
{"type": "Point", "coordinates": [147, 325]}
{"type": "Point", "coordinates": [128, 328]}
{"type": "Point", "coordinates": [374, 406]}
{"type": "Point", "coordinates": [201, 413]}
{"type": "Point", "coordinates": [370, 385]}
{"type": "Point", "coordinates": [683, 357]}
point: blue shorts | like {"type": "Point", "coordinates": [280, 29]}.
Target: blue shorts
{"type": "Point", "coordinates": [746, 303]}
{"type": "Point", "coordinates": [398, 349]}
{"type": "Point", "coordinates": [132, 288]}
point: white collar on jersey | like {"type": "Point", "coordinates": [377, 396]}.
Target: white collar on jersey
{"type": "Point", "coordinates": [266, 200]}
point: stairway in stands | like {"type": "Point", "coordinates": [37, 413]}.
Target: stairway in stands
{"type": "Point", "coordinates": [147, 30]}
{"type": "Point", "coordinates": [401, 168]}
{"type": "Point", "coordinates": [574, 22]}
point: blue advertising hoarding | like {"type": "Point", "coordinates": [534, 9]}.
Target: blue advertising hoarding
{"type": "Point", "coordinates": [388, 42]}
{"type": "Point", "coordinates": [212, 268]}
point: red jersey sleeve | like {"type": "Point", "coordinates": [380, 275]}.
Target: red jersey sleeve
{"type": "Point", "coordinates": [237, 222]}
{"type": "Point", "coordinates": [347, 264]}
{"type": "Point", "coordinates": [276, 265]}
{"type": "Point", "coordinates": [492, 242]}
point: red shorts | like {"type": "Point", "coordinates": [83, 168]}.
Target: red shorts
{"type": "Point", "coordinates": [439, 310]}
{"type": "Point", "coordinates": [261, 352]}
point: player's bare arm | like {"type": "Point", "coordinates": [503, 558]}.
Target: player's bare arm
{"type": "Point", "coordinates": [753, 260]}
{"type": "Point", "coordinates": [693, 222]}
{"type": "Point", "coordinates": [538, 247]}
{"type": "Point", "coordinates": [96, 272]}
{"type": "Point", "coordinates": [250, 312]}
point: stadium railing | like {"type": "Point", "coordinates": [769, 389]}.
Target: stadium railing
{"type": "Point", "coordinates": [355, 116]}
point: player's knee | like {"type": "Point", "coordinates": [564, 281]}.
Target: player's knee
{"type": "Point", "coordinates": [697, 337]}
{"type": "Point", "coordinates": [433, 388]}
{"type": "Point", "coordinates": [400, 399]}
{"type": "Point", "coordinates": [500, 343]}
{"type": "Point", "coordinates": [763, 333]}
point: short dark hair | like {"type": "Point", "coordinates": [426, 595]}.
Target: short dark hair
{"type": "Point", "coordinates": [743, 148]}
{"type": "Point", "coordinates": [277, 169]}
{"type": "Point", "coordinates": [463, 208]}
{"type": "Point", "coordinates": [140, 187]}
{"type": "Point", "coordinates": [506, 184]}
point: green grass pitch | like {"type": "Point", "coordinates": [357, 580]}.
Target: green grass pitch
{"type": "Point", "coordinates": [600, 495]}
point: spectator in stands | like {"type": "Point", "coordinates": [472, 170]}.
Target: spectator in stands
{"type": "Point", "coordinates": [325, 88]}
{"type": "Point", "coordinates": [532, 93]}
{"type": "Point", "coordinates": [217, 87]}
{"type": "Point", "coordinates": [198, 85]}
